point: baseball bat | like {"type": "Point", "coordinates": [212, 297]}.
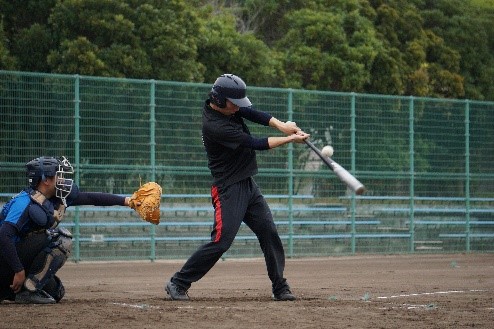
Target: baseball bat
{"type": "Point", "coordinates": [339, 171]}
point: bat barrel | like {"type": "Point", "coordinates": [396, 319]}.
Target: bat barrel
{"type": "Point", "coordinates": [339, 171]}
{"type": "Point", "coordinates": [353, 183]}
{"type": "Point", "coordinates": [360, 190]}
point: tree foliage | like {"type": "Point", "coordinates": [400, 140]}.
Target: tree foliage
{"type": "Point", "coordinates": [330, 49]}
{"type": "Point", "coordinates": [140, 39]}
{"type": "Point", "coordinates": [7, 62]}
{"type": "Point", "coordinates": [224, 49]}
{"type": "Point", "coordinates": [437, 48]}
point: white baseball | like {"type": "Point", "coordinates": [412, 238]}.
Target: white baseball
{"type": "Point", "coordinates": [327, 151]}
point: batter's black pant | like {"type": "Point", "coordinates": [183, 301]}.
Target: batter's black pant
{"type": "Point", "coordinates": [234, 204]}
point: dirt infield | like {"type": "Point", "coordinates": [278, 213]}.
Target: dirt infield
{"type": "Point", "coordinates": [405, 291]}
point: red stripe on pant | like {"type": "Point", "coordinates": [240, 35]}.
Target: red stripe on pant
{"type": "Point", "coordinates": [217, 213]}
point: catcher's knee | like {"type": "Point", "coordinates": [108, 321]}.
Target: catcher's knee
{"type": "Point", "coordinates": [61, 241]}
{"type": "Point", "coordinates": [50, 260]}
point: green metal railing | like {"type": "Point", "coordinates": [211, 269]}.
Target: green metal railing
{"type": "Point", "coordinates": [426, 163]}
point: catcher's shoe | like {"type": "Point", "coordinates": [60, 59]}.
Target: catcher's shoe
{"type": "Point", "coordinates": [36, 297]}
{"type": "Point", "coordinates": [285, 295]}
{"type": "Point", "coordinates": [9, 297]}
{"type": "Point", "coordinates": [176, 292]}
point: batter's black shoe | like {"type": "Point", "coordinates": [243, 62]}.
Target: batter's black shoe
{"type": "Point", "coordinates": [176, 292]}
{"type": "Point", "coordinates": [285, 295]}
{"type": "Point", "coordinates": [36, 297]}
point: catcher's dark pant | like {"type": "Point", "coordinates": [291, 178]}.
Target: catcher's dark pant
{"type": "Point", "coordinates": [28, 250]}
{"type": "Point", "coordinates": [234, 204]}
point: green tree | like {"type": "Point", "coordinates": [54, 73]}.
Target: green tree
{"type": "Point", "coordinates": [7, 62]}
{"type": "Point", "coordinates": [134, 39]}
{"type": "Point", "coordinates": [439, 48]}
{"type": "Point", "coordinates": [32, 46]}
{"type": "Point", "coordinates": [423, 64]}
{"type": "Point", "coordinates": [469, 29]}
{"type": "Point", "coordinates": [24, 27]}
{"type": "Point", "coordinates": [170, 32]}
{"type": "Point", "coordinates": [78, 56]}
{"type": "Point", "coordinates": [329, 48]}
{"type": "Point", "coordinates": [263, 17]}
{"type": "Point", "coordinates": [21, 14]}
{"type": "Point", "coordinates": [223, 49]}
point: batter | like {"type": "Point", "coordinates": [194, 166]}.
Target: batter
{"type": "Point", "coordinates": [236, 198]}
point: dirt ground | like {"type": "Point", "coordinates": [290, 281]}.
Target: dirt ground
{"type": "Point", "coordinates": [399, 291]}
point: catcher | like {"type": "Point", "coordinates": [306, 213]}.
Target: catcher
{"type": "Point", "coordinates": [32, 245]}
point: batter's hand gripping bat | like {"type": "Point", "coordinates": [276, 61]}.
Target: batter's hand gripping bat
{"type": "Point", "coordinates": [339, 171]}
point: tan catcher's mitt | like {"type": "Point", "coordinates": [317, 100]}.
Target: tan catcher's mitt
{"type": "Point", "coordinates": [146, 201]}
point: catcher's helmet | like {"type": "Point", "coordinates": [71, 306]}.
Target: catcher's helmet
{"type": "Point", "coordinates": [40, 168]}
{"type": "Point", "coordinates": [231, 87]}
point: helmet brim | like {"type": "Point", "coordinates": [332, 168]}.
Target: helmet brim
{"type": "Point", "coordinates": [242, 102]}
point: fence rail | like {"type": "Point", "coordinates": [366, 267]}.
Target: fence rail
{"type": "Point", "coordinates": [426, 163]}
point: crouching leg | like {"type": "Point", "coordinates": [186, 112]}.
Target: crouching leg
{"type": "Point", "coordinates": [42, 285]}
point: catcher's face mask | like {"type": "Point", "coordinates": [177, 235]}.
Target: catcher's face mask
{"type": "Point", "coordinates": [64, 181]}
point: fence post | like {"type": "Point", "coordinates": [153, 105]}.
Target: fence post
{"type": "Point", "coordinates": [290, 178]}
{"type": "Point", "coordinates": [411, 134]}
{"type": "Point", "coordinates": [352, 167]}
{"type": "Point", "coordinates": [467, 174]}
{"type": "Point", "coordinates": [152, 154]}
{"type": "Point", "coordinates": [77, 164]}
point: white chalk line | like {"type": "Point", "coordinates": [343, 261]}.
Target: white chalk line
{"type": "Point", "coordinates": [146, 306]}
{"type": "Point", "coordinates": [431, 306]}
{"type": "Point", "coordinates": [432, 293]}
{"type": "Point", "coordinates": [405, 305]}
{"type": "Point", "coordinates": [412, 307]}
{"type": "Point", "coordinates": [139, 306]}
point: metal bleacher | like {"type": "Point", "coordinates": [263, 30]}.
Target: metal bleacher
{"type": "Point", "coordinates": [187, 220]}
{"type": "Point", "coordinates": [304, 224]}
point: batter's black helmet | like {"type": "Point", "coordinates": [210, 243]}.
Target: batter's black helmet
{"type": "Point", "coordinates": [231, 87]}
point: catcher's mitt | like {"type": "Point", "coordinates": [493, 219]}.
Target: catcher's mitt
{"type": "Point", "coordinates": [146, 201]}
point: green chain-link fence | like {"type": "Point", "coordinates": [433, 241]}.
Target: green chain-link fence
{"type": "Point", "coordinates": [426, 163]}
